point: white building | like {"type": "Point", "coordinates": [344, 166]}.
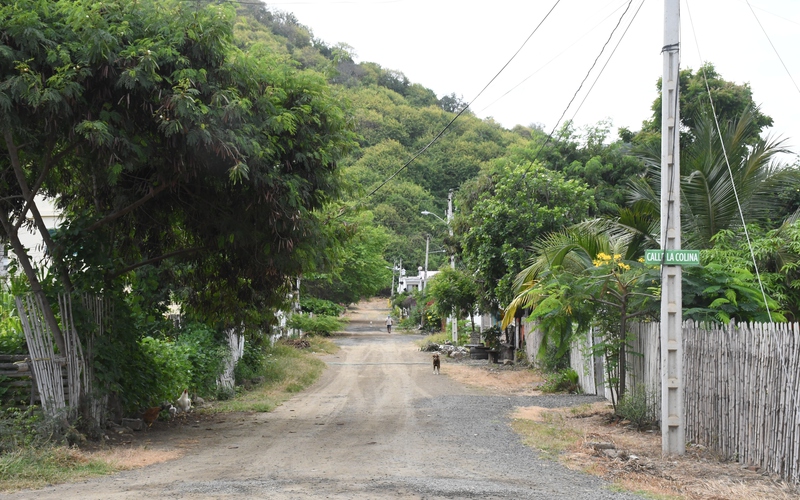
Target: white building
{"type": "Point", "coordinates": [414, 283]}
{"type": "Point", "coordinates": [29, 235]}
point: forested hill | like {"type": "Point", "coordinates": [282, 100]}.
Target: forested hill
{"type": "Point", "coordinates": [514, 189]}
{"type": "Point", "coordinates": [396, 118]}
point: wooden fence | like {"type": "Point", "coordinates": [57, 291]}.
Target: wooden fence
{"type": "Point", "coordinates": [742, 388]}
{"type": "Point", "coordinates": [17, 383]}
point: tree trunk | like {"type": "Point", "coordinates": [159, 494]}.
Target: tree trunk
{"type": "Point", "coordinates": [623, 333]}
{"type": "Point", "coordinates": [36, 286]}
{"type": "Point", "coordinates": [29, 195]}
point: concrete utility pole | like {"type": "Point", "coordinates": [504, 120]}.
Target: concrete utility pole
{"type": "Point", "coordinates": [425, 276]}
{"type": "Point", "coordinates": [449, 216]}
{"type": "Point", "coordinates": [673, 430]}
{"type": "Point", "coordinates": [391, 290]}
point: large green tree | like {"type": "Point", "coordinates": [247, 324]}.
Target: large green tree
{"type": "Point", "coordinates": [711, 194]}
{"type": "Point", "coordinates": [730, 101]}
{"type": "Point", "coordinates": [454, 290]}
{"type": "Point", "coordinates": [360, 270]}
{"type": "Point", "coordinates": [161, 140]}
{"type": "Point", "coordinates": [503, 214]}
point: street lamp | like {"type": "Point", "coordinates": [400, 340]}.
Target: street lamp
{"type": "Point", "coordinates": [425, 212]}
{"type": "Point", "coordinates": [449, 215]}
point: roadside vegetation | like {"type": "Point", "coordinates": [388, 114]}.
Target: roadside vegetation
{"type": "Point", "coordinates": [242, 182]}
{"type": "Point", "coordinates": [34, 452]}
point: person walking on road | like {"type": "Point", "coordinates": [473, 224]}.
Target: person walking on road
{"type": "Point", "coordinates": [389, 323]}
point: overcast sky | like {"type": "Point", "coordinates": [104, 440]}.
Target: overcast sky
{"type": "Point", "coordinates": [458, 46]}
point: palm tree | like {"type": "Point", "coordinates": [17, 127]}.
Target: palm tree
{"type": "Point", "coordinates": [583, 275]}
{"type": "Point", "coordinates": [709, 189]}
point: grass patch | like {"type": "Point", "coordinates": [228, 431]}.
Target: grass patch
{"type": "Point", "coordinates": [436, 338]}
{"type": "Point", "coordinates": [38, 467]}
{"type": "Point", "coordinates": [286, 371]}
{"type": "Point", "coordinates": [549, 434]}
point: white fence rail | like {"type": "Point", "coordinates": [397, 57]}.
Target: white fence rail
{"type": "Point", "coordinates": [742, 388]}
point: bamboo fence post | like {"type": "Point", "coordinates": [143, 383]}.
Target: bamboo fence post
{"type": "Point", "coordinates": [45, 365]}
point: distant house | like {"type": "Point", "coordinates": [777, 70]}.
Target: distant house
{"type": "Point", "coordinates": [29, 235]}
{"type": "Point", "coordinates": [414, 283]}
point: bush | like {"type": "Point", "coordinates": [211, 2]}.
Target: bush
{"type": "Point", "coordinates": [205, 353]}
{"type": "Point", "coordinates": [562, 381]}
{"type": "Point", "coordinates": [552, 361]}
{"type": "Point", "coordinates": [31, 428]}
{"type": "Point", "coordinates": [321, 306]}
{"type": "Point", "coordinates": [163, 372]}
{"type": "Point", "coordinates": [491, 337]}
{"type": "Point", "coordinates": [316, 325]}
{"type": "Point", "coordinates": [637, 407]}
{"type": "Point", "coordinates": [251, 364]}
{"type": "Point", "coordinates": [12, 340]}
{"type": "Point", "coordinates": [20, 428]}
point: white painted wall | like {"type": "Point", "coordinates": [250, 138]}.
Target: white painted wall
{"type": "Point", "coordinates": [30, 237]}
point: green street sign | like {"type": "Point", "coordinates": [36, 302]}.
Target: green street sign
{"type": "Point", "coordinates": [674, 257]}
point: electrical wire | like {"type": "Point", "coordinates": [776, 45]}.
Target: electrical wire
{"type": "Point", "coordinates": [777, 15]}
{"type": "Point", "coordinates": [550, 135]}
{"type": "Point", "coordinates": [730, 171]}
{"type": "Point", "coordinates": [515, 87]}
{"type": "Point", "coordinates": [607, 61]}
{"type": "Point", "coordinates": [773, 46]}
{"type": "Point", "coordinates": [775, 338]}
{"type": "Point", "coordinates": [436, 138]}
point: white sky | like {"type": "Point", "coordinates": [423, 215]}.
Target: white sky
{"type": "Point", "coordinates": [458, 46]}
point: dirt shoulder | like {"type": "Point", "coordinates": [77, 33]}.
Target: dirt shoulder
{"type": "Point", "coordinates": [633, 459]}
{"type": "Point", "coordinates": [635, 463]}
{"type": "Point", "coordinates": [378, 399]}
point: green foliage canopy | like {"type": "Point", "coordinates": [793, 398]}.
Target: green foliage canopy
{"type": "Point", "coordinates": [162, 140]}
{"type": "Point", "coordinates": [504, 212]}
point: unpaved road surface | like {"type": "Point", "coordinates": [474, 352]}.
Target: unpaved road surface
{"type": "Point", "coordinates": [378, 424]}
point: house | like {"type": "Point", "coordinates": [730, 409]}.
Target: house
{"type": "Point", "coordinates": [414, 283]}
{"type": "Point", "coordinates": [29, 235]}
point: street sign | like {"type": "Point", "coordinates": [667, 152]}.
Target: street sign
{"type": "Point", "coordinates": [674, 257]}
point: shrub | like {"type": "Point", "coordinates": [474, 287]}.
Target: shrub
{"type": "Point", "coordinates": [637, 407]}
{"type": "Point", "coordinates": [166, 372]}
{"type": "Point", "coordinates": [12, 340]}
{"type": "Point", "coordinates": [251, 364]}
{"type": "Point", "coordinates": [321, 306]}
{"type": "Point", "coordinates": [553, 360]}
{"type": "Point", "coordinates": [491, 337]}
{"type": "Point", "coordinates": [316, 325]}
{"type": "Point", "coordinates": [562, 381]}
{"type": "Point", "coordinates": [205, 353]}
{"type": "Point", "coordinates": [31, 428]}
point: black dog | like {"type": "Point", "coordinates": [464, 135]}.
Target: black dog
{"type": "Point", "coordinates": [436, 363]}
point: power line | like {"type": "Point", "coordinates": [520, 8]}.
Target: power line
{"type": "Point", "coordinates": [728, 164]}
{"type": "Point", "coordinates": [550, 135]}
{"type": "Point", "coordinates": [515, 87]}
{"type": "Point", "coordinates": [436, 138]}
{"type": "Point", "coordinates": [773, 46]}
{"type": "Point", "coordinates": [776, 15]}
{"type": "Point", "coordinates": [739, 205]}
{"type": "Point", "coordinates": [607, 61]}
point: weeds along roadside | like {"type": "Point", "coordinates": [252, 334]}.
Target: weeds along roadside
{"type": "Point", "coordinates": [32, 455]}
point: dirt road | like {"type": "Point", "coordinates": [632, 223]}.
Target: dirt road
{"type": "Point", "coordinates": [378, 424]}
